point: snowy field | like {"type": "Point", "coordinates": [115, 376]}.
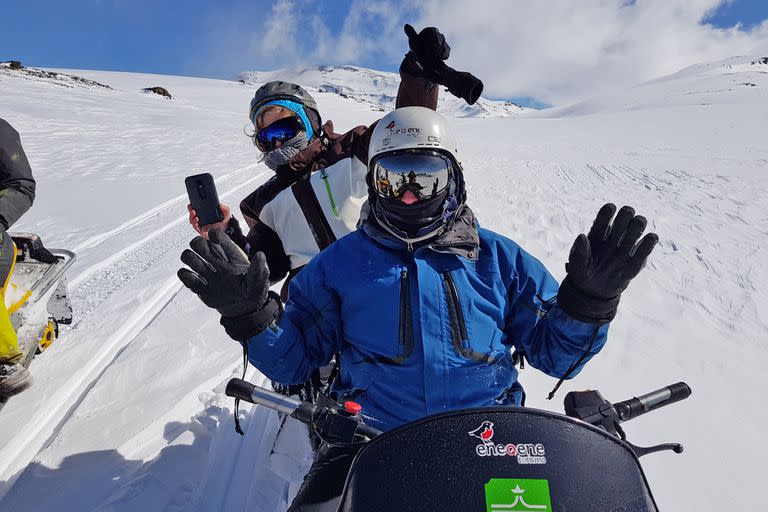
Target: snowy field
{"type": "Point", "coordinates": [128, 411]}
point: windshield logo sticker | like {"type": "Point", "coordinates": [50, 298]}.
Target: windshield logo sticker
{"type": "Point", "coordinates": [524, 453]}
{"type": "Point", "coordinates": [517, 494]}
{"type": "Point", "coordinates": [484, 432]}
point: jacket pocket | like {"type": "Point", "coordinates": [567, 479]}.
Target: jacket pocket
{"type": "Point", "coordinates": [404, 327]}
{"type": "Point", "coordinates": [458, 325]}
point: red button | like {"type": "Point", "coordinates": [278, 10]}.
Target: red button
{"type": "Point", "coordinates": [352, 407]}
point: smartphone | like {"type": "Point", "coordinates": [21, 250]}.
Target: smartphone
{"type": "Point", "coordinates": [204, 198]}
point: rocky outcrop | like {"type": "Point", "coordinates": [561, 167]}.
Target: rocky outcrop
{"type": "Point", "coordinates": [16, 69]}
{"type": "Point", "coordinates": [162, 91]}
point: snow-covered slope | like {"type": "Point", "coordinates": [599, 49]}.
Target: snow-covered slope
{"type": "Point", "coordinates": [377, 89]}
{"type": "Point", "coordinates": [128, 412]}
{"type": "Point", "coordinates": [735, 81]}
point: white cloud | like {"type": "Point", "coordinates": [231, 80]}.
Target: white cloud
{"type": "Point", "coordinates": [295, 32]}
{"type": "Point", "coordinates": [561, 51]}
{"type": "Point", "coordinates": [368, 32]}
{"type": "Point", "coordinates": [277, 37]}
{"type": "Point", "coordinates": [558, 51]}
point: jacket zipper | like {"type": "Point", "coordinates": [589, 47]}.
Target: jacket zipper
{"type": "Point", "coordinates": [405, 334]}
{"type": "Point", "coordinates": [455, 308]}
{"type": "Point", "coordinates": [459, 336]}
{"type": "Point", "coordinates": [404, 328]}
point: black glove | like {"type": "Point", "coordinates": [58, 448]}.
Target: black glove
{"type": "Point", "coordinates": [225, 280]}
{"type": "Point", "coordinates": [601, 264]}
{"type": "Point", "coordinates": [425, 60]}
{"type": "Point", "coordinates": [429, 45]}
{"type": "Point", "coordinates": [459, 83]}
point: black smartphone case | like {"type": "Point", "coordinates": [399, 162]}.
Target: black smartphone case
{"type": "Point", "coordinates": [204, 198]}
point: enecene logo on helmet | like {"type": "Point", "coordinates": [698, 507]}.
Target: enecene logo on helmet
{"type": "Point", "coordinates": [524, 453]}
{"type": "Point", "coordinates": [412, 132]}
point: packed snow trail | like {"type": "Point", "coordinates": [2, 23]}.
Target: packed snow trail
{"type": "Point", "coordinates": [114, 285]}
{"type": "Point", "coordinates": [88, 291]}
{"type": "Point", "coordinates": [90, 288]}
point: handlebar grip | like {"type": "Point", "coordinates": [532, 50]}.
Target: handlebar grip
{"type": "Point", "coordinates": [637, 406]}
{"type": "Point", "coordinates": [239, 388]}
{"type": "Point", "coordinates": [367, 431]}
{"type": "Point", "coordinates": [244, 390]}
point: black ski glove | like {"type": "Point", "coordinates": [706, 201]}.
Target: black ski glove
{"type": "Point", "coordinates": [425, 60]}
{"type": "Point", "coordinates": [429, 45]}
{"type": "Point", "coordinates": [601, 264]}
{"type": "Point", "coordinates": [225, 280]}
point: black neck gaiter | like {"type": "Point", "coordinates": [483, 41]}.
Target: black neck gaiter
{"type": "Point", "coordinates": [413, 217]}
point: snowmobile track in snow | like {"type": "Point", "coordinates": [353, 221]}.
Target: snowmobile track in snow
{"type": "Point", "coordinates": [88, 291]}
{"type": "Point", "coordinates": [94, 286]}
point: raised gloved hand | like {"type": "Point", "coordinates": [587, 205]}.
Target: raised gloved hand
{"type": "Point", "coordinates": [225, 280]}
{"type": "Point", "coordinates": [601, 264]}
{"type": "Point", "coordinates": [425, 60]}
{"type": "Point", "coordinates": [429, 45]}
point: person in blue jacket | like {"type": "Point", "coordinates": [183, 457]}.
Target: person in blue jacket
{"type": "Point", "coordinates": [423, 306]}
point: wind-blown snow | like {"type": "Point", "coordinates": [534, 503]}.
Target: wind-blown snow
{"type": "Point", "coordinates": [128, 411]}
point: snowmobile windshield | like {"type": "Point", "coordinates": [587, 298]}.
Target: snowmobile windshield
{"type": "Point", "coordinates": [281, 130]}
{"type": "Point", "coordinates": [423, 173]}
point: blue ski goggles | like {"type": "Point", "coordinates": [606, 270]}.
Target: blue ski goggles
{"type": "Point", "coordinates": [423, 173]}
{"type": "Point", "coordinates": [281, 130]}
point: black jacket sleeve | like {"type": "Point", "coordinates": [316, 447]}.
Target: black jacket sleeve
{"type": "Point", "coordinates": [235, 232]}
{"type": "Point", "coordinates": [17, 186]}
{"type": "Point", "coordinates": [261, 238]}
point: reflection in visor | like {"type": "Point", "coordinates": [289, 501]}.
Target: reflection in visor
{"type": "Point", "coordinates": [425, 174]}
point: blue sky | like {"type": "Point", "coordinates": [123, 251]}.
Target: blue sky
{"type": "Point", "coordinates": [165, 37]}
{"type": "Point", "coordinates": [746, 12]}
{"type": "Point", "coordinates": [220, 39]}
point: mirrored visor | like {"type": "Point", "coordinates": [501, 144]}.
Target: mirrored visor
{"type": "Point", "coordinates": [417, 175]}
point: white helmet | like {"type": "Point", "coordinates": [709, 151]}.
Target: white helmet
{"type": "Point", "coordinates": [424, 132]}
{"type": "Point", "coordinates": [413, 128]}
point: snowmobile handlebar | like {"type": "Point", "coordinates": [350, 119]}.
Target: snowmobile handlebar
{"type": "Point", "coordinates": [342, 423]}
{"type": "Point", "coordinates": [634, 407]}
{"type": "Point", "coordinates": [332, 421]}
{"type": "Point", "coordinates": [591, 407]}
{"type": "Point", "coordinates": [244, 390]}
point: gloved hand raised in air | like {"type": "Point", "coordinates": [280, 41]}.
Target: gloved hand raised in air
{"type": "Point", "coordinates": [428, 51]}
{"type": "Point", "coordinates": [601, 264]}
{"type": "Point", "coordinates": [225, 280]}
{"type": "Point", "coordinates": [429, 45]}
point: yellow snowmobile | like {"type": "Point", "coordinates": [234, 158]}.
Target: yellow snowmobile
{"type": "Point", "coordinates": [36, 294]}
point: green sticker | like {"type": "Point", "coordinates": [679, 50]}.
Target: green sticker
{"type": "Point", "coordinates": [515, 494]}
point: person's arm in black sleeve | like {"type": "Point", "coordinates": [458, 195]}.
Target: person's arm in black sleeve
{"type": "Point", "coordinates": [235, 232]}
{"type": "Point", "coordinates": [261, 238]}
{"type": "Point", "coordinates": [17, 186]}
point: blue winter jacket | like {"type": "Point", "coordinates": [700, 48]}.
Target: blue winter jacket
{"type": "Point", "coordinates": [427, 331]}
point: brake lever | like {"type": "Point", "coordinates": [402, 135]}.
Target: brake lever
{"type": "Point", "coordinates": [640, 451]}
